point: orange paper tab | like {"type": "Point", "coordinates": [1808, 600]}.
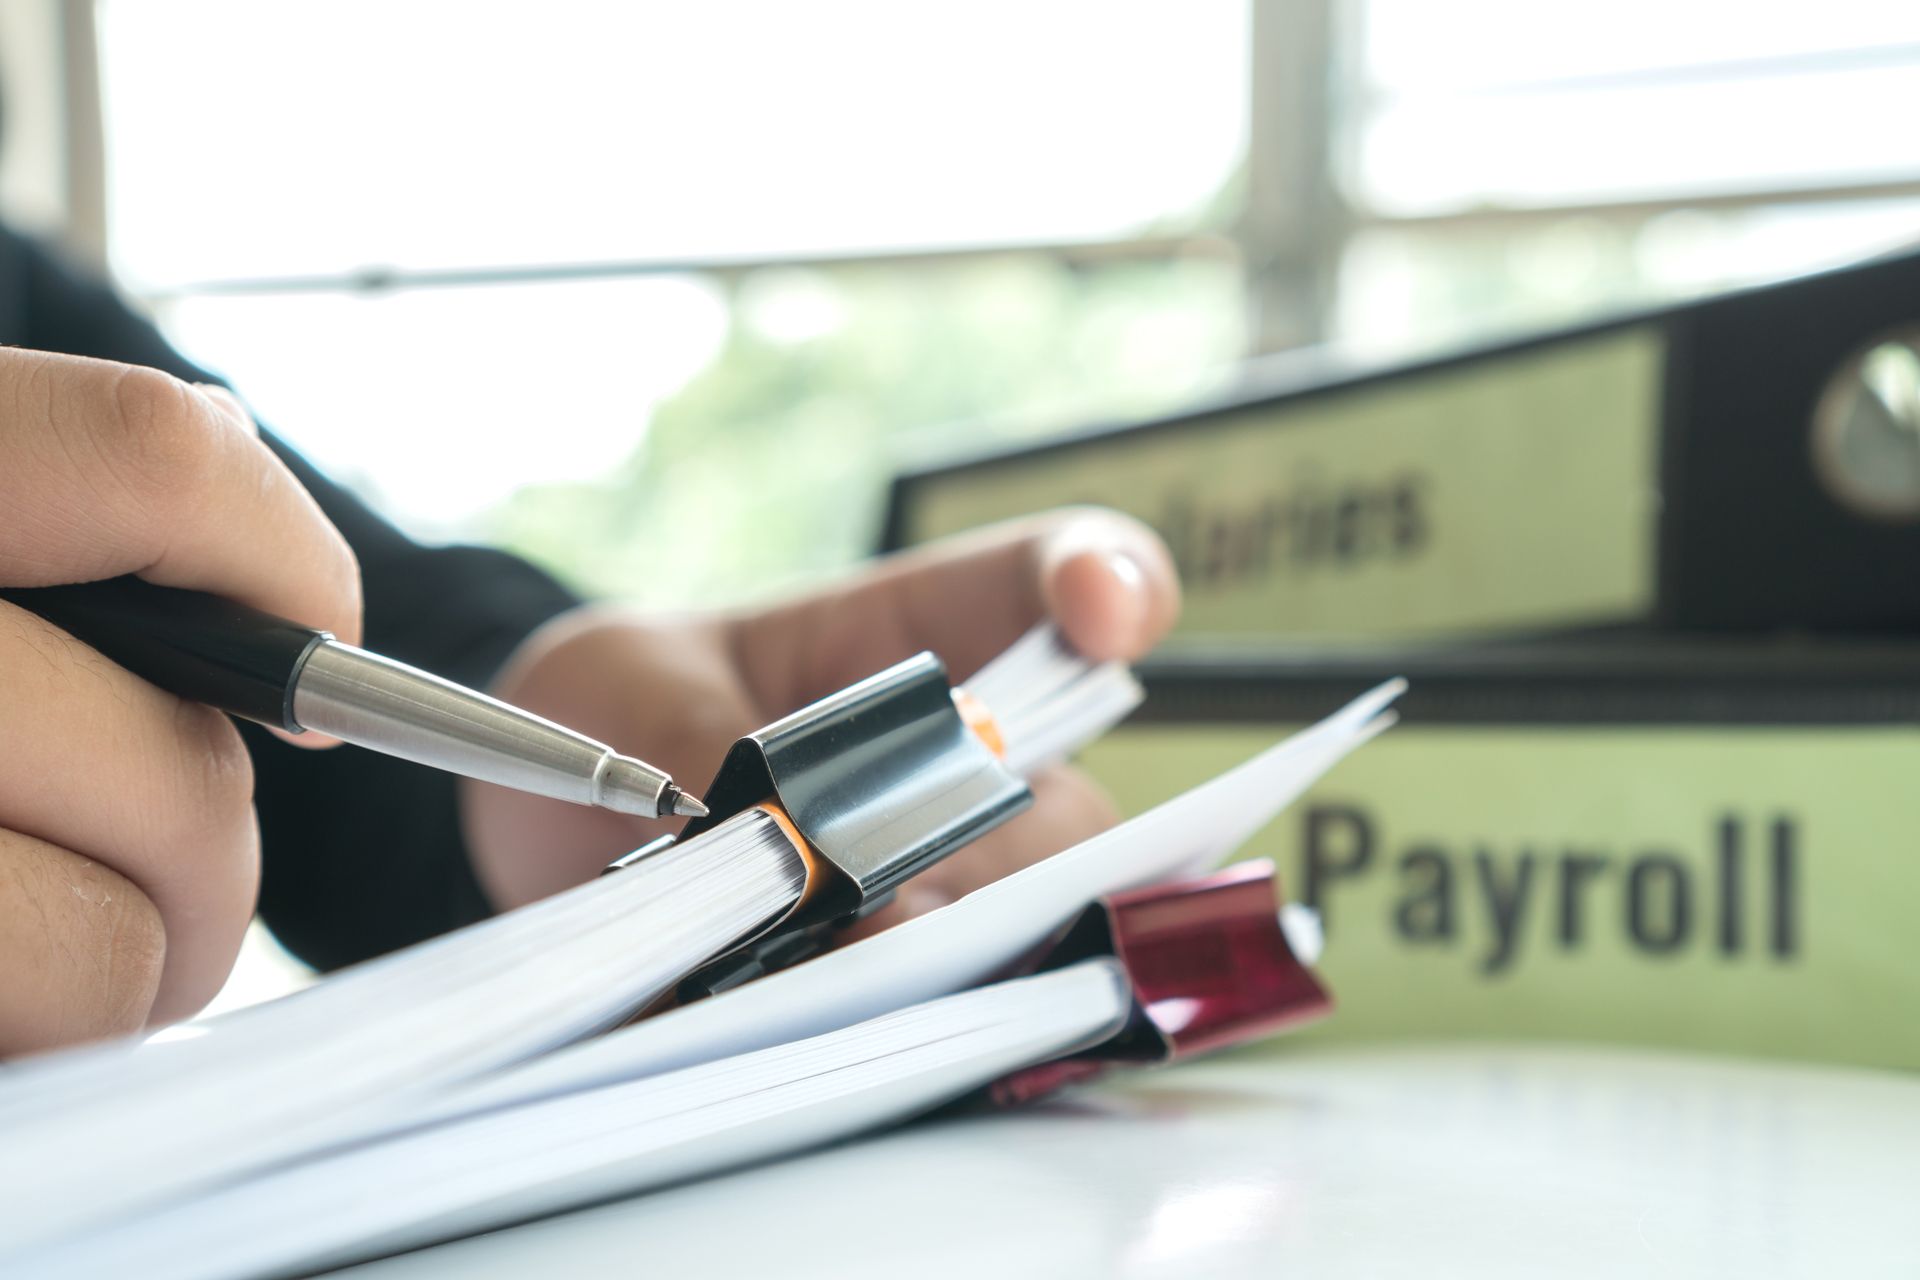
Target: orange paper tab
{"type": "Point", "coordinates": [974, 714]}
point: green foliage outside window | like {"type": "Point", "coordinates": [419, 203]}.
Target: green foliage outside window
{"type": "Point", "coordinates": [770, 466]}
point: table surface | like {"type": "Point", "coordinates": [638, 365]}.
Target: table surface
{"type": "Point", "coordinates": [1407, 1160]}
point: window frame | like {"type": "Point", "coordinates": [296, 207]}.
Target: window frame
{"type": "Point", "coordinates": [1306, 100]}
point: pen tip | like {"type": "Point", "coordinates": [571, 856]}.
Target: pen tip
{"type": "Point", "coordinates": [625, 785]}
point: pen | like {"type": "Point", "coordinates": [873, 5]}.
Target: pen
{"type": "Point", "coordinates": [279, 673]}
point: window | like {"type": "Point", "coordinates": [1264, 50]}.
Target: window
{"type": "Point", "coordinates": [604, 280]}
{"type": "Point", "coordinates": [596, 279]}
{"type": "Point", "coordinates": [1508, 163]}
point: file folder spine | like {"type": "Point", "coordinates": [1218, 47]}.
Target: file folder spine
{"type": "Point", "coordinates": [1715, 465]}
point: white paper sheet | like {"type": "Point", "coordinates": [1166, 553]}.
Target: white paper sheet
{"type": "Point", "coordinates": [784, 1063]}
{"type": "Point", "coordinates": [959, 945]}
{"type": "Point", "coordinates": [93, 1133]}
{"type": "Point", "coordinates": [97, 1132]}
{"type": "Point", "coordinates": [491, 1170]}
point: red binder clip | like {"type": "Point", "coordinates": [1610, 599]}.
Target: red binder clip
{"type": "Point", "coordinates": [1210, 967]}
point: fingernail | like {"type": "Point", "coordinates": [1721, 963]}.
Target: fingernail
{"type": "Point", "coordinates": [1128, 570]}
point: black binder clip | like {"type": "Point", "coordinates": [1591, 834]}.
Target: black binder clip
{"type": "Point", "coordinates": [880, 780]}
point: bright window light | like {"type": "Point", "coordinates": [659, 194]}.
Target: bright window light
{"type": "Point", "coordinates": [1505, 102]}
{"type": "Point", "coordinates": [253, 139]}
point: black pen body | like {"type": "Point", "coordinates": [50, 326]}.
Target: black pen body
{"type": "Point", "coordinates": [196, 646]}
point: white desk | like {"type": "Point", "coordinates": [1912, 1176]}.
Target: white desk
{"type": "Point", "coordinates": [1469, 1160]}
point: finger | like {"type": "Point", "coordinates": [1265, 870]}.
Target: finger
{"type": "Point", "coordinates": [229, 404]}
{"type": "Point", "coordinates": [108, 469]}
{"type": "Point", "coordinates": [81, 948]}
{"type": "Point", "coordinates": [107, 766]}
{"type": "Point", "coordinates": [663, 691]}
{"type": "Point", "coordinates": [1106, 578]}
{"type": "Point", "coordinates": [1111, 585]}
{"type": "Point", "coordinates": [1068, 807]}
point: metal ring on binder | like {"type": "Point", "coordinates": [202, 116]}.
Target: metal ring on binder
{"type": "Point", "coordinates": [882, 780]}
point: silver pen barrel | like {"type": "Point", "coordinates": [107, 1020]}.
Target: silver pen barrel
{"type": "Point", "coordinates": [387, 706]}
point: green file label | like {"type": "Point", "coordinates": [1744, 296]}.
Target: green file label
{"type": "Point", "coordinates": [1744, 890]}
{"type": "Point", "coordinates": [1514, 490]}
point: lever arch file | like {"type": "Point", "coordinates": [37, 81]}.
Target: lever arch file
{"type": "Point", "coordinates": [1687, 842]}
{"type": "Point", "coordinates": [1724, 464]}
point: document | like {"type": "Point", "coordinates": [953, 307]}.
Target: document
{"type": "Point", "coordinates": [98, 1131]}
{"type": "Point", "coordinates": [508, 1015]}
{"type": "Point", "coordinates": [960, 945]}
{"type": "Point", "coordinates": [579, 1148]}
{"type": "Point", "coordinates": [864, 1036]}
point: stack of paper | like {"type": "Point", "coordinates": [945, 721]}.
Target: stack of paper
{"type": "Point", "coordinates": [361, 1052]}
{"type": "Point", "coordinates": [452, 1086]}
{"type": "Point", "coordinates": [969, 942]}
{"type": "Point", "coordinates": [95, 1133]}
{"type": "Point", "coordinates": [1045, 697]}
{"type": "Point", "coordinates": [583, 1147]}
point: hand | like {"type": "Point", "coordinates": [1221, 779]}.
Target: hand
{"type": "Point", "coordinates": [129, 855]}
{"type": "Point", "coordinates": [678, 691]}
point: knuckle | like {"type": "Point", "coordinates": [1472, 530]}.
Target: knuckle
{"type": "Point", "coordinates": [160, 436]}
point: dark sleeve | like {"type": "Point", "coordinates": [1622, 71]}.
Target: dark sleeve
{"type": "Point", "coordinates": [362, 853]}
